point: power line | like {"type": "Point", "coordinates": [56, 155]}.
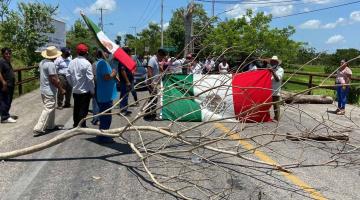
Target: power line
{"type": "Point", "coordinates": [248, 2]}
{"type": "Point", "coordinates": [317, 10]}
{"type": "Point", "coordinates": [143, 13]}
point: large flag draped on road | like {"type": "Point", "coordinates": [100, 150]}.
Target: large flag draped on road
{"type": "Point", "coordinates": [210, 97]}
{"type": "Point", "coordinates": [113, 48]}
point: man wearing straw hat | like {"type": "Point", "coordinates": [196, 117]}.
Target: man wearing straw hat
{"type": "Point", "coordinates": [49, 83]}
{"type": "Point", "coordinates": [277, 75]}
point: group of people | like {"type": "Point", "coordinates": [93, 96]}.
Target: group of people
{"type": "Point", "coordinates": [61, 76]}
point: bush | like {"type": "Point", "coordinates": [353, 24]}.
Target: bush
{"type": "Point", "coordinates": [354, 94]}
{"type": "Point", "coordinates": [330, 69]}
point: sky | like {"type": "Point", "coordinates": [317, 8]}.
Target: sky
{"type": "Point", "coordinates": [325, 30]}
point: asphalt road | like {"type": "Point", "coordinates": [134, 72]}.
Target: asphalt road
{"type": "Point", "coordinates": [81, 168]}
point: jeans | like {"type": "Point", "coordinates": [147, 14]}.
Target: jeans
{"type": "Point", "coordinates": [5, 102]}
{"type": "Point", "coordinates": [151, 108]}
{"type": "Point", "coordinates": [124, 95]}
{"type": "Point", "coordinates": [342, 94]}
{"type": "Point", "coordinates": [81, 108]}
{"type": "Point", "coordinates": [133, 91]}
{"type": "Point", "coordinates": [95, 109]}
{"type": "Point", "coordinates": [105, 120]}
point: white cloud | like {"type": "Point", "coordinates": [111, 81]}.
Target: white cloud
{"type": "Point", "coordinates": [107, 5]}
{"type": "Point", "coordinates": [306, 9]}
{"type": "Point", "coordinates": [355, 16]}
{"type": "Point", "coordinates": [311, 24]}
{"type": "Point", "coordinates": [335, 39]}
{"type": "Point", "coordinates": [317, 24]}
{"type": "Point", "coordinates": [318, 1]}
{"type": "Point", "coordinates": [166, 25]}
{"type": "Point", "coordinates": [340, 21]}
{"type": "Point", "coordinates": [282, 10]}
{"type": "Point", "coordinates": [239, 10]}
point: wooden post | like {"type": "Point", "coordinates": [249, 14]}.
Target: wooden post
{"type": "Point", "coordinates": [19, 81]}
{"type": "Point", "coordinates": [310, 84]}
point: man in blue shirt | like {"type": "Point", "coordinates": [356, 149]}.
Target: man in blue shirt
{"type": "Point", "coordinates": [105, 91]}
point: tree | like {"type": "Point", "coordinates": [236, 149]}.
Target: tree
{"type": "Point", "coordinates": [4, 9]}
{"type": "Point", "coordinates": [118, 40]}
{"type": "Point", "coordinates": [129, 39]}
{"type": "Point", "coordinates": [79, 33]}
{"type": "Point", "coordinates": [25, 31]}
{"type": "Point", "coordinates": [252, 33]}
{"type": "Point", "coordinates": [149, 37]}
{"type": "Point", "coordinates": [175, 33]}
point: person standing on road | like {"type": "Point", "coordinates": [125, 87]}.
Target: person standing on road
{"type": "Point", "coordinates": [277, 74]}
{"type": "Point", "coordinates": [82, 80]}
{"type": "Point", "coordinates": [62, 68]}
{"type": "Point", "coordinates": [49, 83]}
{"type": "Point", "coordinates": [153, 79]}
{"type": "Point", "coordinates": [126, 78]}
{"type": "Point", "coordinates": [7, 85]}
{"type": "Point", "coordinates": [223, 66]}
{"type": "Point", "coordinates": [343, 77]}
{"type": "Point", "coordinates": [105, 91]}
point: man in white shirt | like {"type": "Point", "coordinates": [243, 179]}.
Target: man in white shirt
{"type": "Point", "coordinates": [153, 79]}
{"type": "Point", "coordinates": [277, 75]}
{"type": "Point", "coordinates": [62, 68]}
{"type": "Point", "coordinates": [81, 78]}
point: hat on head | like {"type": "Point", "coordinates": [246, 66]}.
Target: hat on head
{"type": "Point", "coordinates": [81, 48]}
{"type": "Point", "coordinates": [65, 50]}
{"type": "Point", "coordinates": [276, 59]}
{"type": "Point", "coordinates": [51, 52]}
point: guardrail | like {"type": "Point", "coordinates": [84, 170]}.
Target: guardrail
{"type": "Point", "coordinates": [310, 83]}
{"type": "Point", "coordinates": [19, 82]}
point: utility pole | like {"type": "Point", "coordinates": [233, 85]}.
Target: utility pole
{"type": "Point", "coordinates": [162, 23]}
{"type": "Point", "coordinates": [189, 29]}
{"type": "Point", "coordinates": [213, 8]}
{"type": "Point", "coordinates": [134, 27]}
{"type": "Point", "coordinates": [101, 18]}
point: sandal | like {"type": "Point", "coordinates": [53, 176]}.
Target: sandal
{"type": "Point", "coordinates": [341, 112]}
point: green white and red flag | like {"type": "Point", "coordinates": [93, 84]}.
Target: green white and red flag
{"type": "Point", "coordinates": [229, 97]}
{"type": "Point", "coordinates": [112, 47]}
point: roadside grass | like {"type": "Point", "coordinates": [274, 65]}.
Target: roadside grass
{"type": "Point", "coordinates": [293, 87]}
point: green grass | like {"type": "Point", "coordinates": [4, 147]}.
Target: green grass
{"type": "Point", "coordinates": [293, 87]}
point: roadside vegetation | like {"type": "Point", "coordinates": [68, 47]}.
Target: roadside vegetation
{"type": "Point", "coordinates": [22, 30]}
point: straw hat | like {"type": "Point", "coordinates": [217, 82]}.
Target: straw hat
{"type": "Point", "coordinates": [51, 52]}
{"type": "Point", "coordinates": [276, 59]}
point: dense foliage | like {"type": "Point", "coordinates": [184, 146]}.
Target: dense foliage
{"type": "Point", "coordinates": [24, 30]}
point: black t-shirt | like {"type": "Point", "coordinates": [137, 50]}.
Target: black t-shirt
{"type": "Point", "coordinates": [7, 73]}
{"type": "Point", "coordinates": [128, 73]}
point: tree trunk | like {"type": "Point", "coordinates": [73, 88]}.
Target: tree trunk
{"type": "Point", "coordinates": [290, 97]}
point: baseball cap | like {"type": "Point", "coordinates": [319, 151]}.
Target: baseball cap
{"type": "Point", "coordinates": [81, 48]}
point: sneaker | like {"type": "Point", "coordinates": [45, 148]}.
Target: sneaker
{"type": "Point", "coordinates": [8, 120]}
{"type": "Point", "coordinates": [126, 112]}
{"type": "Point", "coordinates": [59, 108]}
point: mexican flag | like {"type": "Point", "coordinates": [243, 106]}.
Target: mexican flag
{"type": "Point", "coordinates": [230, 97]}
{"type": "Point", "coordinates": [113, 48]}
